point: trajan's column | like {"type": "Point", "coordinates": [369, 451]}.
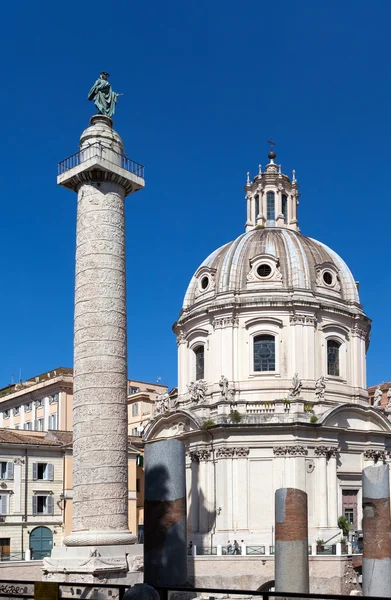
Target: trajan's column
{"type": "Point", "coordinates": [100, 543]}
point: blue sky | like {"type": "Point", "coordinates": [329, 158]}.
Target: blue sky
{"type": "Point", "coordinates": [205, 85]}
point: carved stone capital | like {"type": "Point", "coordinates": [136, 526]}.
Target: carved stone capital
{"type": "Point", "coordinates": [225, 452]}
{"type": "Point", "coordinates": [229, 321]}
{"type": "Point", "coordinates": [290, 450]}
{"type": "Point", "coordinates": [302, 320]}
{"type": "Point", "coordinates": [242, 452]}
{"type": "Point", "coordinates": [333, 452]}
{"type": "Point", "coordinates": [280, 450]}
{"type": "Point", "coordinates": [375, 455]}
{"type": "Point", "coordinates": [297, 451]}
{"type": "Point", "coordinates": [322, 451]}
{"type": "Point", "coordinates": [181, 338]}
{"type": "Point", "coordinates": [194, 457]}
{"type": "Point", "coordinates": [360, 332]}
{"type": "Point", "coordinates": [326, 451]}
{"type": "Point", "coordinates": [204, 454]}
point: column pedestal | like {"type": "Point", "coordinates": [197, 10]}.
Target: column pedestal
{"type": "Point", "coordinates": [88, 564]}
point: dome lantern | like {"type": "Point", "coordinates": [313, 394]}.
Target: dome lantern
{"type": "Point", "coordinates": [272, 198]}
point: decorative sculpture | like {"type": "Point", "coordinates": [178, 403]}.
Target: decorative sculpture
{"type": "Point", "coordinates": [388, 407]}
{"type": "Point", "coordinates": [223, 383]}
{"type": "Point", "coordinates": [197, 390]}
{"type": "Point", "coordinates": [162, 403]}
{"type": "Point", "coordinates": [103, 96]}
{"type": "Point", "coordinates": [377, 397]}
{"type": "Point", "coordinates": [320, 387]}
{"type": "Point", "coordinates": [296, 386]}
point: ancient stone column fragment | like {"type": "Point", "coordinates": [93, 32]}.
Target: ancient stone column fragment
{"type": "Point", "coordinates": [376, 565]}
{"type": "Point", "coordinates": [291, 545]}
{"type": "Point", "coordinates": [165, 547]}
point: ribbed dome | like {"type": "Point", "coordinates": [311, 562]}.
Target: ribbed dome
{"type": "Point", "coordinates": [290, 261]}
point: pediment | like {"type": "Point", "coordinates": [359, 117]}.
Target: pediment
{"type": "Point", "coordinates": [357, 418]}
{"type": "Point", "coordinates": [172, 425]}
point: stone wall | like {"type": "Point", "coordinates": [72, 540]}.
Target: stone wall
{"type": "Point", "coordinates": [21, 571]}
{"type": "Point", "coordinates": [328, 574]}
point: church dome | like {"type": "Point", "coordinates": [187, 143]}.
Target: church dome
{"type": "Point", "coordinates": [272, 259]}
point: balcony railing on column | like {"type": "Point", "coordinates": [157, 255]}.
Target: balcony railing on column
{"type": "Point", "coordinates": [101, 151]}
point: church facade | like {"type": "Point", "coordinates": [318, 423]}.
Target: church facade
{"type": "Point", "coordinates": [272, 344]}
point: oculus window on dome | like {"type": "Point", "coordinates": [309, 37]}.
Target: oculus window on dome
{"type": "Point", "coordinates": [264, 353]}
{"type": "Point", "coordinates": [204, 282]}
{"type": "Point", "coordinates": [264, 270]}
{"type": "Point", "coordinates": [199, 362]}
{"type": "Point", "coordinates": [327, 278]}
{"type": "Point", "coordinates": [333, 358]}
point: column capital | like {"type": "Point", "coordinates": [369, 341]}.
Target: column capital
{"type": "Point", "coordinates": [199, 455]}
{"type": "Point", "coordinates": [375, 455]}
{"type": "Point", "coordinates": [326, 451]}
{"type": "Point", "coordinates": [298, 450]}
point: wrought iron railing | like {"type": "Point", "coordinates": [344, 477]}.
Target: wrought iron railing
{"type": "Point", "coordinates": [206, 550]}
{"type": "Point", "coordinates": [325, 550]}
{"type": "Point", "coordinates": [12, 556]}
{"type": "Point", "coordinates": [102, 151]}
{"type": "Point", "coordinates": [272, 550]}
{"type": "Point", "coordinates": [255, 550]}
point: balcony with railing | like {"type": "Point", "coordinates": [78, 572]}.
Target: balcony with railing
{"type": "Point", "coordinates": [98, 150]}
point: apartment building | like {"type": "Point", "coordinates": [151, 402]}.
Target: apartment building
{"type": "Point", "coordinates": [45, 403]}
{"type": "Point", "coordinates": [36, 492]}
{"type": "Point", "coordinates": [31, 488]}
{"type": "Point", "coordinates": [41, 403]}
{"type": "Point", "coordinates": [141, 404]}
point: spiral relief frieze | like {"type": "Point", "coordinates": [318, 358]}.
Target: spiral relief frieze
{"type": "Point", "coordinates": [100, 492]}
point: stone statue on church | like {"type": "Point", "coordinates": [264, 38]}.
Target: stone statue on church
{"type": "Point", "coordinates": [377, 397]}
{"type": "Point", "coordinates": [296, 386]}
{"type": "Point", "coordinates": [162, 403]}
{"type": "Point", "coordinates": [388, 406]}
{"type": "Point", "coordinates": [103, 96]}
{"type": "Point", "coordinates": [223, 383]}
{"type": "Point", "coordinates": [320, 387]}
{"type": "Point", "coordinates": [197, 390]}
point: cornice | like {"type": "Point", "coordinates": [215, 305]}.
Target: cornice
{"type": "Point", "coordinates": [238, 305]}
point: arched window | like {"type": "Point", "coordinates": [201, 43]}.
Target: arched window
{"type": "Point", "coordinates": [264, 353]}
{"type": "Point", "coordinates": [333, 357]}
{"type": "Point", "coordinates": [256, 206]}
{"type": "Point", "coordinates": [284, 207]}
{"type": "Point", "coordinates": [199, 362]}
{"type": "Point", "coordinates": [270, 210]}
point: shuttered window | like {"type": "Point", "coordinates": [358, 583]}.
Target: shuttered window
{"type": "Point", "coordinates": [52, 421]}
{"type": "Point", "coordinates": [7, 470]}
{"type": "Point", "coordinates": [4, 504]}
{"type": "Point", "coordinates": [43, 471]}
{"type": "Point", "coordinates": [43, 505]}
{"type": "Point", "coordinates": [39, 424]}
